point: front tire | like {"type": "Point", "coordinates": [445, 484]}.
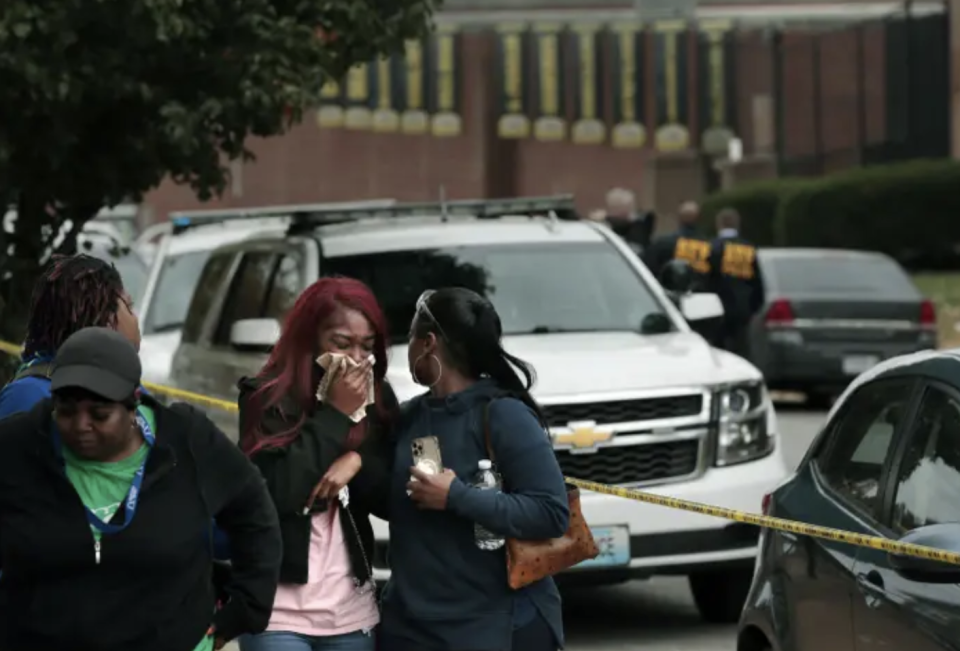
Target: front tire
{"type": "Point", "coordinates": [720, 595]}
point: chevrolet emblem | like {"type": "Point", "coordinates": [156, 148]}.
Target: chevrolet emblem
{"type": "Point", "coordinates": [583, 435]}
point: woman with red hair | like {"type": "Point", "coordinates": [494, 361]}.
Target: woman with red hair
{"type": "Point", "coordinates": [324, 471]}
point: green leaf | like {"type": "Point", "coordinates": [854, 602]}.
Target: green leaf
{"type": "Point", "coordinates": [102, 99]}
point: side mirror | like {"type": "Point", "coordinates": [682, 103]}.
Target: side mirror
{"type": "Point", "coordinates": [254, 334]}
{"type": "Point", "coordinates": [656, 324]}
{"type": "Point", "coordinates": [677, 276]}
{"type": "Point", "coordinates": [921, 570]}
{"type": "Point", "coordinates": [701, 306]}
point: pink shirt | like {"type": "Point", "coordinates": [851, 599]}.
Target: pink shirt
{"type": "Point", "coordinates": [329, 603]}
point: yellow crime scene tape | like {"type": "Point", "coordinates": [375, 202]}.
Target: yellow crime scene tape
{"type": "Point", "coordinates": [768, 522]}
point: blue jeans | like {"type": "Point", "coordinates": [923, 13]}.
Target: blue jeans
{"type": "Point", "coordinates": [283, 641]}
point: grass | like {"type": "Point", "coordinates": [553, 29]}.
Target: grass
{"type": "Point", "coordinates": [944, 290]}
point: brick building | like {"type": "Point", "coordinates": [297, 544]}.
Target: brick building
{"type": "Point", "coordinates": [831, 93]}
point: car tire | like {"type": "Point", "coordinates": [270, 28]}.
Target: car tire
{"type": "Point", "coordinates": [720, 595]}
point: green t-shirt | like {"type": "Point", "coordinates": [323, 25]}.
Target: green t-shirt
{"type": "Point", "coordinates": [103, 486]}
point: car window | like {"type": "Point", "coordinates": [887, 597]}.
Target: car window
{"type": "Point", "coordinates": [854, 276]}
{"type": "Point", "coordinates": [928, 480]}
{"type": "Point", "coordinates": [559, 287]}
{"type": "Point", "coordinates": [247, 294]}
{"type": "Point", "coordinates": [212, 277]}
{"type": "Point", "coordinates": [131, 267]}
{"type": "Point", "coordinates": [852, 461]}
{"type": "Point", "coordinates": [171, 297]}
{"type": "Point", "coordinates": [285, 288]}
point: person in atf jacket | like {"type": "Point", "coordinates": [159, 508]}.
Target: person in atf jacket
{"type": "Point", "coordinates": [448, 591]}
{"type": "Point", "coordinates": [735, 278]}
{"type": "Point", "coordinates": [103, 496]}
{"type": "Point", "coordinates": [326, 462]}
{"type": "Point", "coordinates": [683, 244]}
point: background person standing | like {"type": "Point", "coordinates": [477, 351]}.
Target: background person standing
{"type": "Point", "coordinates": [622, 217]}
{"type": "Point", "coordinates": [683, 244]}
{"type": "Point", "coordinates": [735, 278]}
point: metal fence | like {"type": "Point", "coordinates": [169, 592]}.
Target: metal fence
{"type": "Point", "coordinates": [868, 93]}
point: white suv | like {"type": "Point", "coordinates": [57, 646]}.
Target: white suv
{"type": "Point", "coordinates": [633, 396]}
{"type": "Point", "coordinates": [185, 244]}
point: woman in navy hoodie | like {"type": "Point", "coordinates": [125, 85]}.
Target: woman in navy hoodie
{"type": "Point", "coordinates": [445, 593]}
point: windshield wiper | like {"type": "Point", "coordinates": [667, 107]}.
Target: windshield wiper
{"type": "Point", "coordinates": [167, 327]}
{"type": "Point", "coordinates": [551, 330]}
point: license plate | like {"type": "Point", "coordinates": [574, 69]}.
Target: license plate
{"type": "Point", "coordinates": [614, 545]}
{"type": "Point", "coordinates": [857, 364]}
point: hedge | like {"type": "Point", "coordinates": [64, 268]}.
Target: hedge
{"type": "Point", "coordinates": [908, 210]}
{"type": "Point", "coordinates": [757, 204]}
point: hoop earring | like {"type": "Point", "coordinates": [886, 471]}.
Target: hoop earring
{"type": "Point", "coordinates": [439, 370]}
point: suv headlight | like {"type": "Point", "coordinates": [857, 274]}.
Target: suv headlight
{"type": "Point", "coordinates": [741, 417]}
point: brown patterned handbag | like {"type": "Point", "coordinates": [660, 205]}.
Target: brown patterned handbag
{"type": "Point", "coordinates": [528, 561]}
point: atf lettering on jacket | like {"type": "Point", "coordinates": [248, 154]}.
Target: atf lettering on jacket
{"type": "Point", "coordinates": [738, 260]}
{"type": "Point", "coordinates": [695, 252]}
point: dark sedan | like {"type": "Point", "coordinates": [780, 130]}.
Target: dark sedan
{"type": "Point", "coordinates": [887, 463]}
{"type": "Point", "coordinates": [831, 314]}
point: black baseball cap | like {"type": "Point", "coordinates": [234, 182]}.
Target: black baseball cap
{"type": "Point", "coordinates": [98, 360]}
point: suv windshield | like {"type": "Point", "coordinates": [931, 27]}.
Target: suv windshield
{"type": "Point", "coordinates": [171, 297]}
{"type": "Point", "coordinates": [860, 276]}
{"type": "Point", "coordinates": [536, 288]}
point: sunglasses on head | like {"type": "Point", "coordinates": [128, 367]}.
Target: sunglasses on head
{"type": "Point", "coordinates": [423, 308]}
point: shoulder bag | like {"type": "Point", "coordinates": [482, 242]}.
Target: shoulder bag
{"type": "Point", "coordinates": [528, 561]}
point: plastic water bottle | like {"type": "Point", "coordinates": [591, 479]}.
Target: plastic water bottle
{"type": "Point", "coordinates": [486, 480]}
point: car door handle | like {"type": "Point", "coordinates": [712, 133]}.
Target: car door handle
{"type": "Point", "coordinates": [871, 587]}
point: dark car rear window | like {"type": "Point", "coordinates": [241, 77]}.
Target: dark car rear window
{"type": "Point", "coordinates": [873, 276]}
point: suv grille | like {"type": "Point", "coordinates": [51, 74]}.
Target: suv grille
{"type": "Point", "coordinates": [626, 464]}
{"type": "Point", "coordinates": [624, 411]}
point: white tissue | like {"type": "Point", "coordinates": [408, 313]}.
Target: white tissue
{"type": "Point", "coordinates": [334, 364]}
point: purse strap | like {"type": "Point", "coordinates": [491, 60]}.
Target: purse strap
{"type": "Point", "coordinates": [487, 437]}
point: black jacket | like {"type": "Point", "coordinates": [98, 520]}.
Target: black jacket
{"type": "Point", "coordinates": [735, 278]}
{"type": "Point", "coordinates": [152, 589]}
{"type": "Point", "coordinates": [293, 471]}
{"type": "Point", "coordinates": [683, 244]}
{"type": "Point", "coordinates": [636, 232]}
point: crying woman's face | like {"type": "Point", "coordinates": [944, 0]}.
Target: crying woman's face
{"type": "Point", "coordinates": [348, 332]}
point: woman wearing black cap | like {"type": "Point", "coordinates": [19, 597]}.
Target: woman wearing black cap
{"type": "Point", "coordinates": [102, 497]}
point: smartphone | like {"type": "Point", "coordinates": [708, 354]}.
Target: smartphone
{"type": "Point", "coordinates": [426, 454]}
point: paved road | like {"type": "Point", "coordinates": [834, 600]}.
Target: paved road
{"type": "Point", "coordinates": [659, 615]}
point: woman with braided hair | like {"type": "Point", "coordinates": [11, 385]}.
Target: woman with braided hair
{"type": "Point", "coordinates": [74, 292]}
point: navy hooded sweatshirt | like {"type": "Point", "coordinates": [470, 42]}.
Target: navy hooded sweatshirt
{"type": "Point", "coordinates": [444, 591]}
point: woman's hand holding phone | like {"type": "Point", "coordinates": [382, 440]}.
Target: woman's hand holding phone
{"type": "Point", "coordinates": [349, 390]}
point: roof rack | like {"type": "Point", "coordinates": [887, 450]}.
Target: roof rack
{"type": "Point", "coordinates": [555, 207]}
{"type": "Point", "coordinates": [184, 220]}
{"type": "Point", "coordinates": [305, 217]}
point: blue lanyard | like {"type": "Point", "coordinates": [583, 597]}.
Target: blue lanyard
{"type": "Point", "coordinates": [33, 361]}
{"type": "Point", "coordinates": [133, 495]}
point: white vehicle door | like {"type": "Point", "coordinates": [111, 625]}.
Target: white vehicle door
{"type": "Point", "coordinates": [261, 281]}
